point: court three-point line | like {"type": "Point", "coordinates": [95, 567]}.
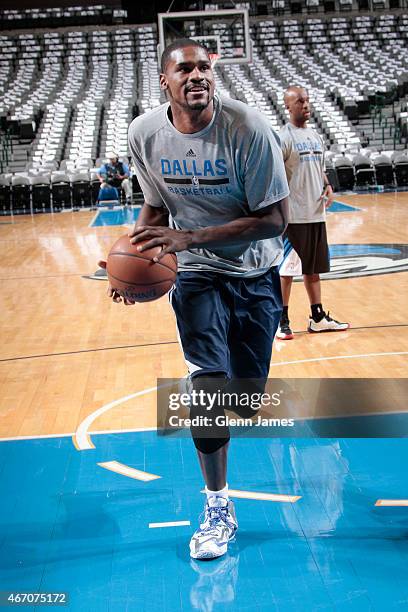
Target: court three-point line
{"type": "Point", "coordinates": [169, 524]}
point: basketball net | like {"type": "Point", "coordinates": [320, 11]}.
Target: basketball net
{"type": "Point", "coordinates": [214, 57]}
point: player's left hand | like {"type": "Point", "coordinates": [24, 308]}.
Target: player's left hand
{"type": "Point", "coordinates": [112, 293]}
{"type": "Point", "coordinates": [327, 196]}
{"type": "Point", "coordinates": [172, 240]}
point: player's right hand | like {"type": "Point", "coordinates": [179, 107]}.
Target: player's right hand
{"type": "Point", "coordinates": [327, 196]}
{"type": "Point", "coordinates": [114, 295]}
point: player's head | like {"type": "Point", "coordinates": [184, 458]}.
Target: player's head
{"type": "Point", "coordinates": [186, 74]}
{"type": "Point", "coordinates": [297, 103]}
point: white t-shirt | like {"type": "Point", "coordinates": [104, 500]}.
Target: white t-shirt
{"type": "Point", "coordinates": [303, 153]}
{"type": "Point", "coordinates": [224, 172]}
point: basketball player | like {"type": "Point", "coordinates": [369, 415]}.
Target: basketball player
{"type": "Point", "coordinates": [310, 194]}
{"type": "Point", "coordinates": [212, 169]}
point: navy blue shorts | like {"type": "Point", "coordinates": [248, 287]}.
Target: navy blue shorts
{"type": "Point", "coordinates": [226, 324]}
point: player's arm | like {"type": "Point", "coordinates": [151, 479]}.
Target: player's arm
{"type": "Point", "coordinates": [327, 195]}
{"type": "Point", "coordinates": [266, 188]}
{"type": "Point", "coordinates": [286, 147]}
{"type": "Point", "coordinates": [101, 174]}
{"type": "Point", "coordinates": [268, 222]}
{"type": "Point", "coordinates": [126, 172]}
{"type": "Point", "coordinates": [151, 216]}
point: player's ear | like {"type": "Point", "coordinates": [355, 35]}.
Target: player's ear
{"type": "Point", "coordinates": [163, 82]}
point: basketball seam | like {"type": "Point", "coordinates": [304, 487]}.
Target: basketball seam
{"type": "Point", "coordinates": [157, 263]}
{"type": "Point", "coordinates": [164, 280]}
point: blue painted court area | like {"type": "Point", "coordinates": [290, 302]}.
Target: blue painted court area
{"type": "Point", "coordinates": [336, 207]}
{"type": "Point", "coordinates": [69, 525]}
{"type": "Point", "coordinates": [119, 216]}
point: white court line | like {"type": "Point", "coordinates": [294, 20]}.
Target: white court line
{"type": "Point", "coordinates": [83, 441]}
{"type": "Point", "coordinates": [291, 499]}
{"type": "Point", "coordinates": [391, 502]}
{"type": "Point", "coordinates": [72, 434]}
{"type": "Point", "coordinates": [170, 524]}
{"type": "Point", "coordinates": [144, 429]}
{"type": "Point", "coordinates": [94, 218]}
{"type": "Point", "coordinates": [42, 437]}
{"type": "Point", "coordinates": [81, 438]}
{"type": "Point", "coordinates": [314, 359]}
{"type": "Point", "coordinates": [126, 470]}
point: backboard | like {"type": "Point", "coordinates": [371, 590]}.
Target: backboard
{"type": "Point", "coordinates": [223, 32]}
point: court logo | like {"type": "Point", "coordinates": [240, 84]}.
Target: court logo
{"type": "Point", "coordinates": [349, 261]}
{"type": "Point", "coordinates": [353, 260]}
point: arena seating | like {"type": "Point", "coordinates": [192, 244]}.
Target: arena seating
{"type": "Point", "coordinates": [53, 17]}
{"type": "Point", "coordinates": [383, 170]}
{"type": "Point", "coordinates": [401, 169]}
{"type": "Point", "coordinates": [60, 191]}
{"type": "Point", "coordinates": [80, 90]}
{"type": "Point", "coordinates": [364, 171]}
{"type": "Point", "coordinates": [41, 192]}
{"type": "Point", "coordinates": [5, 195]}
{"type": "Point", "coordinates": [21, 194]}
{"type": "Point", "coordinates": [345, 172]}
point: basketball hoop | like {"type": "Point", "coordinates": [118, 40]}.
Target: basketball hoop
{"type": "Point", "coordinates": [214, 57]}
{"type": "Point", "coordinates": [216, 30]}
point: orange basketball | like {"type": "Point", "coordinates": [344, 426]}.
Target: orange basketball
{"type": "Point", "coordinates": [135, 276]}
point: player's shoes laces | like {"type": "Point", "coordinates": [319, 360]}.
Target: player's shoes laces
{"type": "Point", "coordinates": [216, 531]}
{"type": "Point", "coordinates": [284, 332]}
{"type": "Point", "coordinates": [326, 324]}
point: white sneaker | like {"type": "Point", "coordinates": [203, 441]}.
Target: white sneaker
{"type": "Point", "coordinates": [284, 331]}
{"type": "Point", "coordinates": [327, 324]}
{"type": "Point", "coordinates": [216, 531]}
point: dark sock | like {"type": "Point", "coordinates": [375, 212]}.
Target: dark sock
{"type": "Point", "coordinates": [317, 312]}
{"type": "Point", "coordinates": [284, 315]}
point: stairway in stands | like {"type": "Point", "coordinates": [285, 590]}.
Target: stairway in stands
{"type": "Point", "coordinates": [19, 155]}
{"type": "Point", "coordinates": [379, 129]}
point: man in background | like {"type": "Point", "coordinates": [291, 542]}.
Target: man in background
{"type": "Point", "coordinates": [306, 248]}
{"type": "Point", "coordinates": [116, 174]}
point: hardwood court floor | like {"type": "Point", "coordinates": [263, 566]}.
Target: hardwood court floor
{"type": "Point", "coordinates": [66, 350]}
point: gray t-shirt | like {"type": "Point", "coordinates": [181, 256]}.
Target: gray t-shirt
{"type": "Point", "coordinates": [222, 173]}
{"type": "Point", "coordinates": [303, 153]}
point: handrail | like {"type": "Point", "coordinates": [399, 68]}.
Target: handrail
{"type": "Point", "coordinates": [6, 149]}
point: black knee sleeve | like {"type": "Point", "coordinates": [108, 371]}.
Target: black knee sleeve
{"type": "Point", "coordinates": [208, 438]}
{"type": "Point", "coordinates": [209, 445]}
{"type": "Point", "coordinates": [252, 387]}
